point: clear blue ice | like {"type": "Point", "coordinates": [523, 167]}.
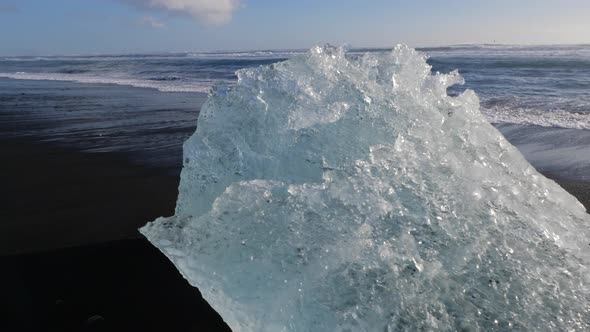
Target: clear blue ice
{"type": "Point", "coordinates": [351, 193]}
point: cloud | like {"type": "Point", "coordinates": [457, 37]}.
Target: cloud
{"type": "Point", "coordinates": [207, 11]}
{"type": "Point", "coordinates": [148, 21]}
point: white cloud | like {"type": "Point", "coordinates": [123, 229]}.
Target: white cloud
{"type": "Point", "coordinates": [148, 21]}
{"type": "Point", "coordinates": [208, 11]}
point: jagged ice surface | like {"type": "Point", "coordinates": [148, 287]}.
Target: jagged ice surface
{"type": "Point", "coordinates": [341, 193]}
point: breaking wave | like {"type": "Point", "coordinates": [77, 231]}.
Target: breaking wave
{"type": "Point", "coordinates": [158, 84]}
{"type": "Point", "coordinates": [542, 118]}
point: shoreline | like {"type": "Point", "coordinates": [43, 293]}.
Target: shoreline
{"type": "Point", "coordinates": [58, 198]}
{"type": "Point", "coordinates": [579, 189]}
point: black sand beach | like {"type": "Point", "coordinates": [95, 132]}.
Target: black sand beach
{"type": "Point", "coordinates": [72, 257]}
{"type": "Point", "coordinates": [67, 198]}
{"type": "Point", "coordinates": [72, 201]}
{"type": "Point", "coordinates": [71, 254]}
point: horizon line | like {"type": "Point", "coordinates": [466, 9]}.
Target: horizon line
{"type": "Point", "coordinates": [349, 47]}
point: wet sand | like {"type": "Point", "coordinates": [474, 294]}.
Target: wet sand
{"type": "Point", "coordinates": [78, 179]}
{"type": "Point", "coordinates": [579, 189]}
{"type": "Point", "coordinates": [55, 197]}
{"type": "Point", "coordinates": [71, 255]}
{"type": "Point", "coordinates": [115, 286]}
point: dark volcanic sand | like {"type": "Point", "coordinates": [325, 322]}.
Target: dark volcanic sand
{"type": "Point", "coordinates": [116, 286]}
{"type": "Point", "coordinates": [71, 256]}
{"type": "Point", "coordinates": [55, 198]}
{"type": "Point", "coordinates": [580, 189]}
{"type": "Point", "coordinates": [84, 163]}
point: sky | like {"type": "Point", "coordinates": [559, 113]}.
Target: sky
{"type": "Point", "coordinates": [45, 27]}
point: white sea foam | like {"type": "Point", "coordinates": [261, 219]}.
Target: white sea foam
{"type": "Point", "coordinates": [491, 50]}
{"type": "Point", "coordinates": [247, 54]}
{"type": "Point", "coordinates": [543, 118]}
{"type": "Point", "coordinates": [554, 119]}
{"type": "Point", "coordinates": [165, 86]}
{"type": "Point", "coordinates": [159, 56]}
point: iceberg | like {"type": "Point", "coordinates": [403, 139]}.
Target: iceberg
{"type": "Point", "coordinates": [343, 192]}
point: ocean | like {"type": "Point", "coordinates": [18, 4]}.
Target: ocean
{"type": "Point", "coordinates": [147, 104]}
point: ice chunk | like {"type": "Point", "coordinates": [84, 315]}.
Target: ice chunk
{"type": "Point", "coordinates": [342, 193]}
